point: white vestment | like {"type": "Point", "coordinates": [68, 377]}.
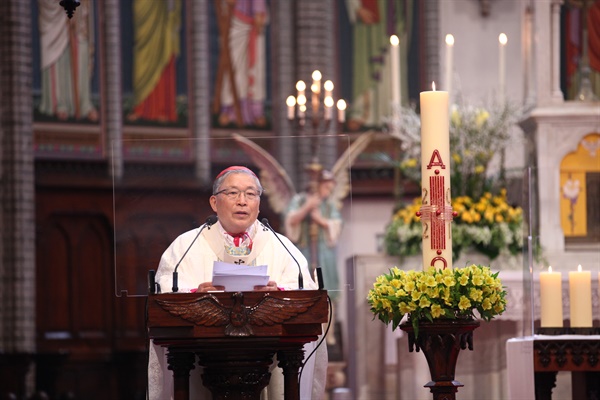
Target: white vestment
{"type": "Point", "coordinates": [197, 267]}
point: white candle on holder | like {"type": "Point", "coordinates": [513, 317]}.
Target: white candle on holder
{"type": "Point", "coordinates": [301, 101]}
{"type": "Point", "coordinates": [449, 62]}
{"type": "Point", "coordinates": [395, 67]}
{"type": "Point", "coordinates": [341, 106]}
{"type": "Point", "coordinates": [328, 86]}
{"type": "Point", "coordinates": [301, 88]}
{"type": "Point", "coordinates": [291, 103]}
{"type": "Point", "coordinates": [551, 299]}
{"type": "Point", "coordinates": [436, 210]}
{"type": "Point", "coordinates": [580, 298]}
{"type": "Point", "coordinates": [502, 40]}
{"type": "Point", "coordinates": [315, 88]}
{"type": "Point", "coordinates": [328, 102]}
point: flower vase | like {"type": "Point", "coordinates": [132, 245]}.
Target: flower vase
{"type": "Point", "coordinates": [441, 342]}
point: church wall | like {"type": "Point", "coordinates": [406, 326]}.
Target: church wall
{"type": "Point", "coordinates": [475, 72]}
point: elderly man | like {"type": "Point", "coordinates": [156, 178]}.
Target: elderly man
{"type": "Point", "coordinates": [239, 238]}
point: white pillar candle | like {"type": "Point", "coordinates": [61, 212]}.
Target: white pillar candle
{"type": "Point", "coordinates": [291, 104]}
{"type": "Point", "coordinates": [341, 105]}
{"type": "Point", "coordinates": [328, 102]}
{"type": "Point", "coordinates": [551, 299]}
{"type": "Point", "coordinates": [449, 62]}
{"type": "Point", "coordinates": [395, 67]}
{"type": "Point", "coordinates": [435, 182]}
{"type": "Point", "coordinates": [580, 298]}
{"type": "Point", "coordinates": [502, 40]}
{"type": "Point", "coordinates": [316, 91]}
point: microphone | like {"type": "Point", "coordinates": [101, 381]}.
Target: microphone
{"type": "Point", "coordinates": [320, 278]}
{"type": "Point", "coordinates": [210, 221]}
{"type": "Point", "coordinates": [151, 282]}
{"type": "Point", "coordinates": [265, 222]}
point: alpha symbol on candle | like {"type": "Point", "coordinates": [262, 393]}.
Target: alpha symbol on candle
{"type": "Point", "coordinates": [436, 160]}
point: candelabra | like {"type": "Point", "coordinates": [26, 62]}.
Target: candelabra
{"type": "Point", "coordinates": [321, 115]}
{"type": "Point", "coordinates": [69, 6]}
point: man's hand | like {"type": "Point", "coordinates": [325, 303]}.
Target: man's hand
{"type": "Point", "coordinates": [271, 286]}
{"type": "Point", "coordinates": [208, 287]}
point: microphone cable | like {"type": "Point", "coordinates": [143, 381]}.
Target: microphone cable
{"type": "Point", "coordinates": [319, 343]}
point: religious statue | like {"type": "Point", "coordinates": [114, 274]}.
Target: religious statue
{"type": "Point", "coordinates": [312, 217]}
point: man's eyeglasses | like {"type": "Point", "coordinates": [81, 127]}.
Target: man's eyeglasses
{"type": "Point", "coordinates": [234, 194]}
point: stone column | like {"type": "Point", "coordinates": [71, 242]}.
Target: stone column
{"type": "Point", "coordinates": [17, 225]}
{"type": "Point", "coordinates": [557, 95]}
{"type": "Point", "coordinates": [432, 42]}
{"type": "Point", "coordinates": [546, 27]}
{"type": "Point", "coordinates": [112, 105]}
{"type": "Point", "coordinates": [284, 84]}
{"type": "Point", "coordinates": [199, 78]}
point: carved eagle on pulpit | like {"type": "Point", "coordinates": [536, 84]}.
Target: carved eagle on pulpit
{"type": "Point", "coordinates": [238, 318]}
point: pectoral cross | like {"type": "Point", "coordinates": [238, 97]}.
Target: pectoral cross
{"type": "Point", "coordinates": [239, 262]}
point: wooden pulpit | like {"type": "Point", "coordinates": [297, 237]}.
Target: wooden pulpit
{"type": "Point", "coordinates": [235, 336]}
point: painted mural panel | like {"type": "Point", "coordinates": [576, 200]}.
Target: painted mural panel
{"type": "Point", "coordinates": [65, 62]}
{"type": "Point", "coordinates": [240, 63]}
{"type": "Point", "coordinates": [154, 73]}
{"type": "Point", "coordinates": [576, 196]}
{"type": "Point", "coordinates": [366, 26]}
{"type": "Point", "coordinates": [65, 80]}
{"type": "Point", "coordinates": [580, 76]}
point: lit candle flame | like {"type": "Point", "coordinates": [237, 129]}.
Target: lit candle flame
{"type": "Point", "coordinates": [550, 269]}
{"type": "Point", "coordinates": [579, 268]}
{"type": "Point", "coordinates": [433, 85]}
{"type": "Point", "coordinates": [316, 75]}
{"type": "Point", "coordinates": [394, 41]}
{"type": "Point", "coordinates": [328, 86]}
{"type": "Point", "coordinates": [503, 39]}
{"type": "Point", "coordinates": [449, 40]}
{"type": "Point", "coordinates": [291, 101]}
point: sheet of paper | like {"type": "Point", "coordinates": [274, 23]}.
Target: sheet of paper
{"type": "Point", "coordinates": [239, 283]}
{"type": "Point", "coordinates": [239, 278]}
{"type": "Point", "coordinates": [223, 268]}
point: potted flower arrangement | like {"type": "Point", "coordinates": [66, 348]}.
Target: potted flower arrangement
{"type": "Point", "coordinates": [441, 303]}
{"type": "Point", "coordinates": [437, 294]}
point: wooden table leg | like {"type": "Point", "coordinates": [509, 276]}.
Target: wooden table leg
{"type": "Point", "coordinates": [181, 363]}
{"type": "Point", "coordinates": [291, 361]}
{"type": "Point", "coordinates": [544, 383]}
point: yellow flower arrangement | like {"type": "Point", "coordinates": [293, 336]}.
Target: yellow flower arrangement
{"type": "Point", "coordinates": [434, 294]}
{"type": "Point", "coordinates": [488, 225]}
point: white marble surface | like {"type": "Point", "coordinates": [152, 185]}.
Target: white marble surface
{"type": "Point", "coordinates": [519, 363]}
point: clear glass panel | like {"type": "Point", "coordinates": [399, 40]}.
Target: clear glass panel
{"type": "Point", "coordinates": [531, 248]}
{"type": "Point", "coordinates": [160, 196]}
